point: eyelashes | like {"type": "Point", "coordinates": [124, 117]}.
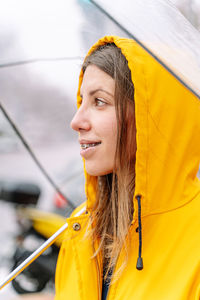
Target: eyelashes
{"type": "Point", "coordinates": [100, 102]}
{"type": "Point", "coordinates": [97, 101]}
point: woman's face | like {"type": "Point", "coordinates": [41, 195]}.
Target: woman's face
{"type": "Point", "coordinates": [96, 121]}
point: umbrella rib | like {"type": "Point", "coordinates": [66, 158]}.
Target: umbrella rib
{"type": "Point", "coordinates": [28, 148]}
{"type": "Point", "coordinates": [36, 60]}
{"type": "Point", "coordinates": [37, 252]}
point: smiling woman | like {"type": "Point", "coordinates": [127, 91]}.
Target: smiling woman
{"type": "Point", "coordinates": [102, 123]}
{"type": "Point", "coordinates": [96, 121]}
{"type": "Point", "coordinates": [103, 120]}
{"type": "Point", "coordinates": [139, 135]}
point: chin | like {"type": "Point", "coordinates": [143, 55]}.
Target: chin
{"type": "Point", "coordinates": [97, 171]}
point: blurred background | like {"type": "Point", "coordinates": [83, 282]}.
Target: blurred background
{"type": "Point", "coordinates": [42, 44]}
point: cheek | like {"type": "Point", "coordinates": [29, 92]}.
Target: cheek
{"type": "Point", "coordinates": [109, 129]}
{"type": "Point", "coordinates": [102, 162]}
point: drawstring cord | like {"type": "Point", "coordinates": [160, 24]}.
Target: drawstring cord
{"type": "Point", "coordinates": [139, 264]}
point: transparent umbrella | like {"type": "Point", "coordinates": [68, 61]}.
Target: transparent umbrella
{"type": "Point", "coordinates": [160, 28]}
{"type": "Point", "coordinates": [166, 35]}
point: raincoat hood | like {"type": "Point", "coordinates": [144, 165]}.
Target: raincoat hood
{"type": "Point", "coordinates": [167, 120]}
{"type": "Point", "coordinates": [167, 134]}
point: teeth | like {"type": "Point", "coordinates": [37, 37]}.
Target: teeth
{"type": "Point", "coordinates": [85, 146]}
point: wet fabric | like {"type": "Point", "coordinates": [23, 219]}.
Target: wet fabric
{"type": "Point", "coordinates": [167, 161]}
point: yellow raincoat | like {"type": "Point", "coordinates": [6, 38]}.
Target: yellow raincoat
{"type": "Point", "coordinates": [167, 162]}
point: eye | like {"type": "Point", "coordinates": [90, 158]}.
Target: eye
{"type": "Point", "coordinates": [99, 102]}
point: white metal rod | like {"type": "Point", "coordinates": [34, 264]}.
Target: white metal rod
{"type": "Point", "coordinates": [36, 253]}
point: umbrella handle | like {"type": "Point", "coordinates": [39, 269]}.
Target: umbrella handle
{"type": "Point", "coordinates": [36, 253]}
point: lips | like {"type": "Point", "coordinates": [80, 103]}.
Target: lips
{"type": "Point", "coordinates": [88, 147]}
{"type": "Point", "coordinates": [85, 146]}
{"type": "Point", "coordinates": [89, 143]}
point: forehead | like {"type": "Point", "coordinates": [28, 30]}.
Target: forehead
{"type": "Point", "coordinates": [95, 78]}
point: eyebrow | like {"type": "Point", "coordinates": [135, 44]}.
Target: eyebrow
{"type": "Point", "coordinates": [97, 90]}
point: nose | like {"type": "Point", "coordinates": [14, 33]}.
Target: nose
{"type": "Point", "coordinates": [80, 120]}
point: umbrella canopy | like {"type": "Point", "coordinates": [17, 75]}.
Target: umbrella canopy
{"type": "Point", "coordinates": [160, 28]}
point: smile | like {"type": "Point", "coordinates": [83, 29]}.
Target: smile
{"type": "Point", "coordinates": [86, 146]}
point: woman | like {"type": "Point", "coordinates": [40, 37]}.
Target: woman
{"type": "Point", "coordinates": [139, 133]}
